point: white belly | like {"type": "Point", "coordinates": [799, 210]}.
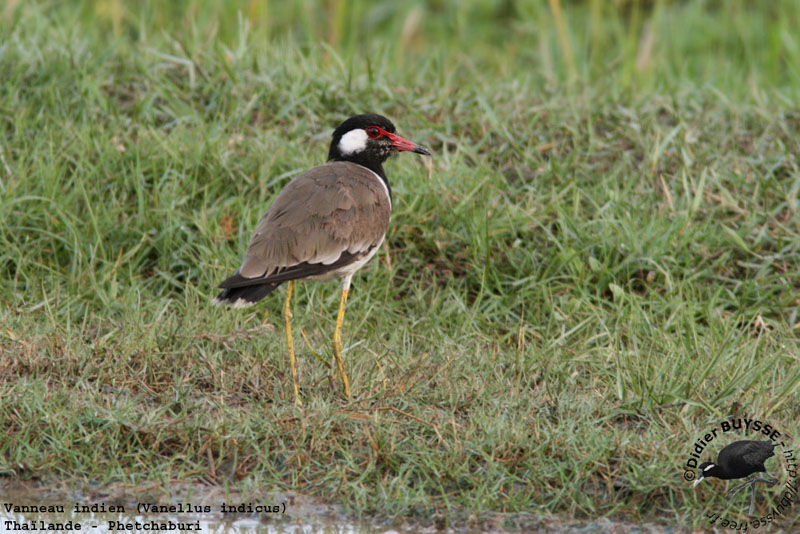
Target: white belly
{"type": "Point", "coordinates": [346, 273]}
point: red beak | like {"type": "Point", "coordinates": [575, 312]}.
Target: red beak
{"type": "Point", "coordinates": [405, 145]}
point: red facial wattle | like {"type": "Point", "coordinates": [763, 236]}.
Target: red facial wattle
{"type": "Point", "coordinates": [376, 132]}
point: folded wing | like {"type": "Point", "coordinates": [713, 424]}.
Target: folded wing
{"type": "Point", "coordinates": [323, 220]}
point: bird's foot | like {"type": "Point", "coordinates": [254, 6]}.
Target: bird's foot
{"type": "Point", "coordinates": [737, 489]}
{"type": "Point", "coordinates": [771, 481]}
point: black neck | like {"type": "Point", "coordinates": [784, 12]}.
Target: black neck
{"type": "Point", "coordinates": [716, 471]}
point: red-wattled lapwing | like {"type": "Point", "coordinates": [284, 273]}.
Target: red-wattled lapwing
{"type": "Point", "coordinates": [740, 459]}
{"type": "Point", "coordinates": [327, 223]}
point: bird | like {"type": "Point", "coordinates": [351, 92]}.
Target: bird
{"type": "Point", "coordinates": [740, 459]}
{"type": "Point", "coordinates": [326, 223]}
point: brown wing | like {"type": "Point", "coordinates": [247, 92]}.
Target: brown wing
{"type": "Point", "coordinates": [324, 219]}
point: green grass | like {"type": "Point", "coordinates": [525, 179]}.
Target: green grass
{"type": "Point", "coordinates": [601, 263]}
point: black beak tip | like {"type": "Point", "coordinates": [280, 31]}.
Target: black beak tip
{"type": "Point", "coordinates": [422, 150]}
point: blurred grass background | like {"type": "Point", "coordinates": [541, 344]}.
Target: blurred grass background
{"type": "Point", "coordinates": [620, 45]}
{"type": "Point", "coordinates": [603, 261]}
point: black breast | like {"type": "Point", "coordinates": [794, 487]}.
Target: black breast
{"type": "Point", "coordinates": [743, 458]}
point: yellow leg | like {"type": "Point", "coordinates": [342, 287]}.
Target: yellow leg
{"type": "Point", "coordinates": [337, 343]}
{"type": "Point", "coordinates": [287, 317]}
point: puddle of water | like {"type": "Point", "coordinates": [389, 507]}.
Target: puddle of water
{"type": "Point", "coordinates": [23, 514]}
{"type": "Point", "coordinates": [206, 523]}
{"type": "Point", "coordinates": [300, 515]}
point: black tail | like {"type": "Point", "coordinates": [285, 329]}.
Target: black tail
{"type": "Point", "coordinates": [241, 297]}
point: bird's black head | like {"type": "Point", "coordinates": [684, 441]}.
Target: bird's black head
{"type": "Point", "coordinates": [369, 140]}
{"type": "Point", "coordinates": [705, 469]}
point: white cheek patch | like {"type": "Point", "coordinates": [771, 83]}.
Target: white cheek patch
{"type": "Point", "coordinates": [353, 141]}
{"type": "Point", "coordinates": [706, 468]}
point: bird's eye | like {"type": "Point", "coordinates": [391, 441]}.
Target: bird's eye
{"type": "Point", "coordinates": [373, 132]}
